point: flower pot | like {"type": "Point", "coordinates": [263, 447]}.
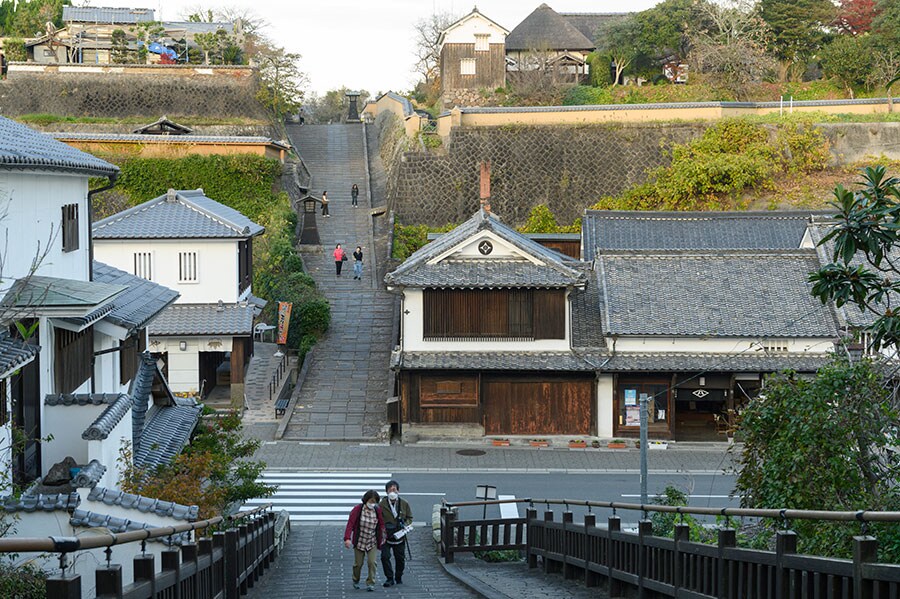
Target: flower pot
{"type": "Point", "coordinates": [616, 445]}
{"type": "Point", "coordinates": [539, 443]}
{"type": "Point", "coordinates": [577, 444]}
{"type": "Point", "coordinates": [500, 442]}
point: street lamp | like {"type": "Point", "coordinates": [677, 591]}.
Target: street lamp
{"type": "Point", "coordinates": [485, 493]}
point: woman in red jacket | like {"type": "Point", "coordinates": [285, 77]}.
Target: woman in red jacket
{"type": "Point", "coordinates": [365, 534]}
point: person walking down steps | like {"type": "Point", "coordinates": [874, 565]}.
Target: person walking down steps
{"type": "Point", "coordinates": [340, 256]}
{"type": "Point", "coordinates": [397, 515]}
{"type": "Point", "coordinates": [325, 205]}
{"type": "Point", "coordinates": [354, 195]}
{"type": "Point", "coordinates": [365, 535]}
{"type": "Point", "coordinates": [357, 263]}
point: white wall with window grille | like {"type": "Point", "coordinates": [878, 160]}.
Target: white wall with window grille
{"type": "Point", "coordinates": [482, 42]}
{"type": "Point", "coordinates": [775, 345]}
{"type": "Point", "coordinates": [467, 66]}
{"type": "Point", "coordinates": [187, 267]}
{"type": "Point", "coordinates": [143, 265]}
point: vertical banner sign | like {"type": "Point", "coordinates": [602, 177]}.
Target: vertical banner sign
{"type": "Point", "coordinates": [284, 320]}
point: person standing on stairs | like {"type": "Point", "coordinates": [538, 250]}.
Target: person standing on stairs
{"type": "Point", "coordinates": [364, 533]}
{"type": "Point", "coordinates": [397, 516]}
{"type": "Point", "coordinates": [357, 263]}
{"type": "Point", "coordinates": [354, 195]}
{"type": "Point", "coordinates": [340, 256]}
{"type": "Point", "coordinates": [325, 205]}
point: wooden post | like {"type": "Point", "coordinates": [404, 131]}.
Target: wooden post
{"type": "Point", "coordinates": [232, 587]}
{"type": "Point", "coordinates": [64, 587]}
{"type": "Point", "coordinates": [567, 568]}
{"type": "Point", "coordinates": [530, 516]}
{"type": "Point", "coordinates": [645, 529]}
{"type": "Point", "coordinates": [590, 578]}
{"type": "Point", "coordinates": [448, 536]}
{"type": "Point", "coordinates": [109, 581]}
{"type": "Point", "coordinates": [727, 539]}
{"type": "Point", "coordinates": [682, 535]}
{"type": "Point", "coordinates": [145, 569]}
{"type": "Point", "coordinates": [548, 534]}
{"type": "Point", "coordinates": [614, 524]}
{"type": "Point", "coordinates": [865, 550]}
{"type": "Point", "coordinates": [170, 560]}
{"type": "Point", "coordinates": [785, 544]}
{"type": "Point", "coordinates": [189, 554]}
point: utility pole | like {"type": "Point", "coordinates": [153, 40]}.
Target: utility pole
{"type": "Point", "coordinates": [644, 401]}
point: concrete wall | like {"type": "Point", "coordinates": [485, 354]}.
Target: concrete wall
{"type": "Point", "coordinates": [126, 91]}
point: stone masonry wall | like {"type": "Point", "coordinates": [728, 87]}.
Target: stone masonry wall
{"type": "Point", "coordinates": [129, 94]}
{"type": "Point", "coordinates": [565, 167]}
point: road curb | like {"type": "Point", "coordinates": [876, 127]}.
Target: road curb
{"type": "Point", "coordinates": [479, 586]}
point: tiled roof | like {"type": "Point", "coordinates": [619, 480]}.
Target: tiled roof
{"type": "Point", "coordinates": [177, 215]}
{"type": "Point", "coordinates": [87, 519]}
{"type": "Point", "coordinates": [40, 503]}
{"type": "Point", "coordinates": [165, 509]}
{"type": "Point", "coordinates": [204, 319]}
{"type": "Point", "coordinates": [555, 270]}
{"type": "Point", "coordinates": [142, 394]}
{"type": "Point", "coordinates": [25, 148]}
{"type": "Point", "coordinates": [587, 325]}
{"type": "Point", "coordinates": [141, 301]}
{"type": "Point", "coordinates": [742, 362]}
{"type": "Point", "coordinates": [89, 475]}
{"type": "Point", "coordinates": [106, 15]}
{"type": "Point", "coordinates": [15, 353]}
{"type": "Point", "coordinates": [407, 105]}
{"type": "Point", "coordinates": [712, 294]}
{"type": "Point", "coordinates": [162, 123]}
{"type": "Point", "coordinates": [81, 399]}
{"type": "Point", "coordinates": [108, 419]}
{"type": "Point", "coordinates": [604, 230]}
{"type": "Point", "coordinates": [197, 26]}
{"type": "Point", "coordinates": [546, 29]}
{"type": "Point", "coordinates": [511, 360]}
{"type": "Point", "coordinates": [168, 139]}
{"type": "Point", "coordinates": [53, 292]}
{"type": "Point", "coordinates": [589, 23]}
{"type": "Point", "coordinates": [168, 431]}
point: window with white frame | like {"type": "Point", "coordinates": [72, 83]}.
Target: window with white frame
{"type": "Point", "coordinates": [467, 66]}
{"type": "Point", "coordinates": [482, 42]}
{"type": "Point", "coordinates": [143, 265]}
{"type": "Point", "coordinates": [187, 267]}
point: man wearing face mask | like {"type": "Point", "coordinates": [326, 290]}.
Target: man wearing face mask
{"type": "Point", "coordinates": [397, 514]}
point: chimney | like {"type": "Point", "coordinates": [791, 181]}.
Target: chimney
{"type": "Point", "coordinates": [486, 185]}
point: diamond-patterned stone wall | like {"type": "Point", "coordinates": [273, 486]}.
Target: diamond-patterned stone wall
{"type": "Point", "coordinates": [565, 167]}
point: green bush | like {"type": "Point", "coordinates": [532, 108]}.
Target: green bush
{"type": "Point", "coordinates": [14, 49]}
{"type": "Point", "coordinates": [584, 94]}
{"type": "Point", "coordinates": [22, 582]}
{"type": "Point", "coordinates": [409, 238]}
{"type": "Point", "coordinates": [542, 220]}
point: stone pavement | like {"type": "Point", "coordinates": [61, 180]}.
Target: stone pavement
{"type": "Point", "coordinates": [315, 564]}
{"type": "Point", "coordinates": [515, 580]}
{"type": "Point", "coordinates": [708, 457]}
{"type": "Point", "coordinates": [260, 407]}
{"type": "Point", "coordinates": [345, 391]}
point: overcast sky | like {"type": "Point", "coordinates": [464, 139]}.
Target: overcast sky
{"type": "Point", "coordinates": [365, 44]}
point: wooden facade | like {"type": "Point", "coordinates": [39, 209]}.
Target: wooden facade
{"type": "Point", "coordinates": [130, 355]}
{"type": "Point", "coordinates": [526, 403]}
{"type": "Point", "coordinates": [490, 67]}
{"type": "Point", "coordinates": [495, 313]}
{"type": "Point", "coordinates": [73, 360]}
{"type": "Point", "coordinates": [572, 249]}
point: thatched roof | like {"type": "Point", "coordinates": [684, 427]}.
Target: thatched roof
{"type": "Point", "coordinates": [546, 29]}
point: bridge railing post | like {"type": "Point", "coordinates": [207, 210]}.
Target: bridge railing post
{"type": "Point", "coordinates": [727, 539]}
{"type": "Point", "coordinates": [448, 536]}
{"type": "Point", "coordinates": [785, 544]}
{"type": "Point", "coordinates": [682, 535]}
{"type": "Point", "coordinates": [865, 550]}
{"type": "Point", "coordinates": [614, 525]}
{"type": "Point", "coordinates": [530, 531]}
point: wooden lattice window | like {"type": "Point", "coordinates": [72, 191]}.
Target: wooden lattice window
{"type": "Point", "coordinates": [69, 227]}
{"type": "Point", "coordinates": [495, 314]}
{"type": "Point", "coordinates": [72, 362]}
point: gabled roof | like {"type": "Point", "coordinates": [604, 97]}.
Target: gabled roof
{"type": "Point", "coordinates": [141, 301]}
{"type": "Point", "coordinates": [15, 353]}
{"type": "Point", "coordinates": [163, 126]}
{"type": "Point", "coordinates": [107, 15]}
{"type": "Point", "coordinates": [407, 105]}
{"type": "Point", "coordinates": [472, 15]}
{"type": "Point", "coordinates": [589, 23]}
{"type": "Point", "coordinates": [546, 29]}
{"type": "Point", "coordinates": [25, 148]}
{"type": "Point", "coordinates": [186, 214]}
{"type": "Point", "coordinates": [610, 230]}
{"type": "Point", "coordinates": [554, 269]}
{"type": "Point", "coordinates": [204, 319]}
{"type": "Point", "coordinates": [712, 294]}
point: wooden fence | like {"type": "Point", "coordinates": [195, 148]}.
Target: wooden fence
{"type": "Point", "coordinates": [221, 566]}
{"type": "Point", "coordinates": [643, 565]}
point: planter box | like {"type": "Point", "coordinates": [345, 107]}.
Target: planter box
{"type": "Point", "coordinates": [577, 445]}
{"type": "Point", "coordinates": [539, 443]}
{"type": "Point", "coordinates": [617, 445]}
{"type": "Point", "coordinates": [500, 442]}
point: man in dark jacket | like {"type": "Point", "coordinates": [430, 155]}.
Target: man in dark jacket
{"type": "Point", "coordinates": [397, 515]}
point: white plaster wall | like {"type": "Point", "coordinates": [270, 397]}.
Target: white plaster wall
{"type": "Point", "coordinates": [106, 366]}
{"type": "Point", "coordinates": [464, 33]}
{"type": "Point", "coordinates": [184, 366]}
{"type": "Point", "coordinates": [106, 451]}
{"type": "Point", "coordinates": [729, 345]}
{"type": "Point", "coordinates": [413, 327]}
{"type": "Point", "coordinates": [605, 396]}
{"type": "Point", "coordinates": [469, 249]}
{"type": "Point", "coordinates": [32, 202]}
{"type": "Point", "coordinates": [217, 265]}
{"type": "Point", "coordinates": [66, 423]}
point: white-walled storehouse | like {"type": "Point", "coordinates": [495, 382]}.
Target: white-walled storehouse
{"type": "Point", "coordinates": [204, 250]}
{"type": "Point", "coordinates": [689, 309]}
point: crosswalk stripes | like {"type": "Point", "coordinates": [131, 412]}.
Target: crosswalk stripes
{"type": "Point", "coordinates": [318, 496]}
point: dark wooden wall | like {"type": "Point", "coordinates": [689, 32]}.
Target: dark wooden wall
{"type": "Point", "coordinates": [566, 248]}
{"type": "Point", "coordinates": [73, 360]}
{"type": "Point", "coordinates": [488, 313]}
{"type": "Point", "coordinates": [490, 67]}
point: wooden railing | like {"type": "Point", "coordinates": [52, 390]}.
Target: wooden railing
{"type": "Point", "coordinates": [646, 565]}
{"type": "Point", "coordinates": [221, 566]}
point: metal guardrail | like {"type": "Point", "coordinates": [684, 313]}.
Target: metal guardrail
{"type": "Point", "coordinates": [677, 567]}
{"type": "Point", "coordinates": [223, 566]}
